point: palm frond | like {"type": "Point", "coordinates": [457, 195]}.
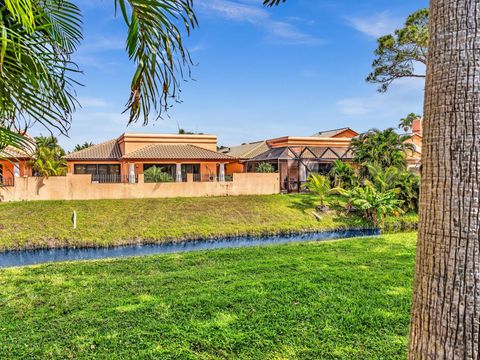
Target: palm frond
{"type": "Point", "coordinates": [36, 72]}
{"type": "Point", "coordinates": [155, 44]}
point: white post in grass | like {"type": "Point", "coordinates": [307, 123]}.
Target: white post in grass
{"type": "Point", "coordinates": [16, 169]}
{"type": "Point", "coordinates": [131, 174]}
{"type": "Point", "coordinates": [74, 219]}
{"type": "Point", "coordinates": [178, 172]}
{"type": "Point", "coordinates": [221, 176]}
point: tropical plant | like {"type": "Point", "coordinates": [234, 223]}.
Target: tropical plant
{"type": "Point", "coordinates": [445, 312]}
{"type": "Point", "coordinates": [407, 122]}
{"type": "Point", "coordinates": [373, 204]}
{"type": "Point", "coordinates": [342, 175]}
{"type": "Point", "coordinates": [156, 174]}
{"type": "Point", "coordinates": [408, 184]}
{"type": "Point", "coordinates": [318, 185]}
{"type": "Point", "coordinates": [385, 148]}
{"type": "Point", "coordinates": [382, 179]}
{"type": "Point", "coordinates": [83, 146]}
{"type": "Point", "coordinates": [51, 143]}
{"type": "Point", "coordinates": [45, 162]}
{"type": "Point", "coordinates": [404, 183]}
{"type": "Point", "coordinates": [403, 53]}
{"type": "Point", "coordinates": [265, 168]}
{"type": "Point", "coordinates": [37, 75]}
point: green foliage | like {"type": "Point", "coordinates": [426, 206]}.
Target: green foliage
{"type": "Point", "coordinates": [318, 185]}
{"type": "Point", "coordinates": [320, 300]}
{"type": "Point", "coordinates": [405, 184]}
{"type": "Point", "coordinates": [265, 168]}
{"type": "Point", "coordinates": [155, 45]}
{"type": "Point", "coordinates": [36, 72]}
{"type": "Point", "coordinates": [343, 175]}
{"type": "Point", "coordinates": [50, 142]}
{"type": "Point", "coordinates": [48, 158]}
{"type": "Point", "coordinates": [46, 162]}
{"type": "Point", "coordinates": [156, 174]}
{"type": "Point", "coordinates": [373, 204]}
{"type": "Point", "coordinates": [407, 122]}
{"type": "Point", "coordinates": [16, 141]}
{"type": "Point", "coordinates": [409, 190]}
{"type": "Point", "coordinates": [385, 148]}
{"type": "Point", "coordinates": [398, 54]}
{"type": "Point", "coordinates": [38, 40]}
{"type": "Point", "coordinates": [83, 146]}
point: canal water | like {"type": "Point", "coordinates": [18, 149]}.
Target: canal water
{"type": "Point", "coordinates": [30, 257]}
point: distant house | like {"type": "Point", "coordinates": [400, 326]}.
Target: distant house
{"type": "Point", "coordinates": [416, 138]}
{"type": "Point", "coordinates": [123, 158]}
{"type": "Point", "coordinates": [13, 163]}
{"type": "Point", "coordinates": [295, 157]}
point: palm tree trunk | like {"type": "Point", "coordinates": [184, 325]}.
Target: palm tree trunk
{"type": "Point", "coordinates": [446, 301]}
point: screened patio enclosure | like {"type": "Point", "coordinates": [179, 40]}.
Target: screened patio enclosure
{"type": "Point", "coordinates": [295, 164]}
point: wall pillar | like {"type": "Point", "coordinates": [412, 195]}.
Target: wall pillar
{"type": "Point", "coordinates": [221, 175]}
{"type": "Point", "coordinates": [178, 172]}
{"type": "Point", "coordinates": [131, 173]}
{"type": "Point", "coordinates": [16, 169]}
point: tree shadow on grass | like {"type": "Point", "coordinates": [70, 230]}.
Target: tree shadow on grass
{"type": "Point", "coordinates": [303, 203]}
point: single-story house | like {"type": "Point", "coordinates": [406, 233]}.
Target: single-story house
{"type": "Point", "coordinates": [124, 158]}
{"type": "Point", "coordinates": [295, 157]}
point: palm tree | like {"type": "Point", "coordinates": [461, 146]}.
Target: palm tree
{"type": "Point", "coordinates": [342, 175]}
{"type": "Point", "coordinates": [385, 148]}
{"type": "Point", "coordinates": [83, 146]}
{"type": "Point", "coordinates": [38, 77]}
{"type": "Point", "coordinates": [407, 122]}
{"type": "Point", "coordinates": [46, 163]}
{"type": "Point", "coordinates": [318, 185]}
{"type": "Point", "coordinates": [446, 297]}
{"type": "Point", "coordinates": [446, 312]}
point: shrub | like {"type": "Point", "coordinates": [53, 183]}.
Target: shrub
{"type": "Point", "coordinates": [157, 174]}
{"type": "Point", "coordinates": [373, 204]}
{"type": "Point", "coordinates": [265, 168]}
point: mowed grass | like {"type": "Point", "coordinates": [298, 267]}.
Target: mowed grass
{"type": "Point", "coordinates": [47, 224]}
{"type": "Point", "coordinates": [345, 299]}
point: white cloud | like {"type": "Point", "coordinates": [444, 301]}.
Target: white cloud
{"type": "Point", "coordinates": [375, 25]}
{"type": "Point", "coordinates": [92, 102]}
{"type": "Point", "coordinates": [256, 15]}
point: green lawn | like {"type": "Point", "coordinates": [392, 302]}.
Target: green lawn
{"type": "Point", "coordinates": [334, 300]}
{"type": "Point", "coordinates": [46, 224]}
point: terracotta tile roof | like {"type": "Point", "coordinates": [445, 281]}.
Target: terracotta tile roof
{"type": "Point", "coordinates": [176, 151]}
{"type": "Point", "coordinates": [248, 151]}
{"type": "Point", "coordinates": [108, 150]}
{"type": "Point", "coordinates": [330, 133]}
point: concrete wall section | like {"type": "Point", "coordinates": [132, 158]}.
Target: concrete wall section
{"type": "Point", "coordinates": [80, 187]}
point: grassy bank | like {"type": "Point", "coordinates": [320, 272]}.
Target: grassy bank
{"type": "Point", "coordinates": [114, 222]}
{"type": "Point", "coordinates": [337, 300]}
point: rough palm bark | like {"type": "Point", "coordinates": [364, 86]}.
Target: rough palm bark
{"type": "Point", "coordinates": [446, 301]}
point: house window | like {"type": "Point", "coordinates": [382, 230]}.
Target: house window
{"type": "Point", "coordinates": [97, 169]}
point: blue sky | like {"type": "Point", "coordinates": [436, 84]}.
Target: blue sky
{"type": "Point", "coordinates": [260, 73]}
